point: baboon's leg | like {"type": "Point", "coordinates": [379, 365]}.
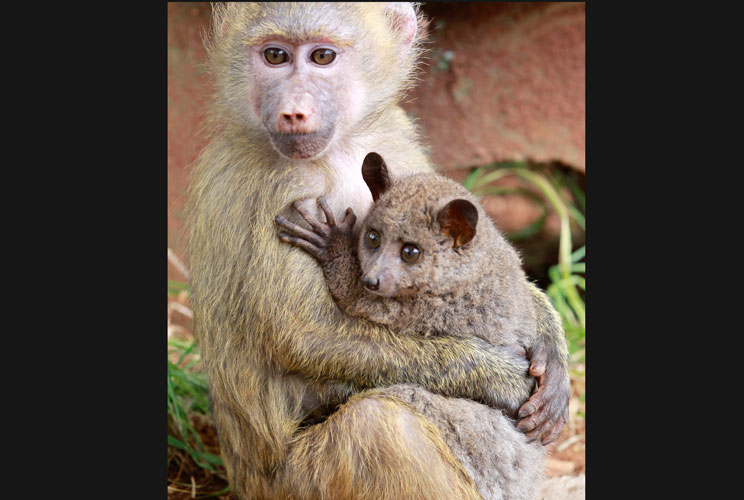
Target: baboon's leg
{"type": "Point", "coordinates": [374, 447]}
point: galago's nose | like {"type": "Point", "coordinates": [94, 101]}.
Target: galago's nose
{"type": "Point", "coordinates": [371, 283]}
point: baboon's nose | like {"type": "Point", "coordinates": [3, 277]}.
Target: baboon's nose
{"type": "Point", "coordinates": [371, 283]}
{"type": "Point", "coordinates": [294, 119]}
{"type": "Point", "coordinates": [296, 115]}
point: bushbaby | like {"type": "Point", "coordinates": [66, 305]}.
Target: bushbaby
{"type": "Point", "coordinates": [427, 260]}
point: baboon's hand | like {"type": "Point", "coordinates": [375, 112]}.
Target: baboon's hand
{"type": "Point", "coordinates": [545, 413]}
{"type": "Point", "coordinates": [326, 239]}
{"type": "Point", "coordinates": [511, 383]}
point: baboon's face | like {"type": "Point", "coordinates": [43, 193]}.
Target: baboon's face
{"type": "Point", "coordinates": [307, 73]}
{"type": "Point", "coordinates": [304, 94]}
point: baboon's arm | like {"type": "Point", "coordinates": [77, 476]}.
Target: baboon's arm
{"type": "Point", "coordinates": [369, 355]}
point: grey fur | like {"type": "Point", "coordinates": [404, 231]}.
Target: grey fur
{"type": "Point", "coordinates": [477, 289]}
{"type": "Point", "coordinates": [471, 432]}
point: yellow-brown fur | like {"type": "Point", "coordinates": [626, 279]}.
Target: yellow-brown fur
{"type": "Point", "coordinates": [271, 336]}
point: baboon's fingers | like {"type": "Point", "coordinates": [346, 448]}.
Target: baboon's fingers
{"type": "Point", "coordinates": [532, 404]}
{"type": "Point", "coordinates": [527, 409]}
{"type": "Point", "coordinates": [537, 368]}
{"type": "Point", "coordinates": [544, 422]}
{"type": "Point", "coordinates": [531, 422]}
{"type": "Point", "coordinates": [531, 436]}
{"type": "Point", "coordinates": [330, 219]}
{"type": "Point", "coordinates": [538, 360]}
{"type": "Point", "coordinates": [300, 231]}
{"type": "Point", "coordinates": [317, 226]}
{"type": "Point", "coordinates": [550, 434]}
{"type": "Point", "coordinates": [304, 244]}
{"type": "Point", "coordinates": [535, 421]}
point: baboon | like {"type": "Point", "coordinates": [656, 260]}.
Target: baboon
{"type": "Point", "coordinates": [302, 92]}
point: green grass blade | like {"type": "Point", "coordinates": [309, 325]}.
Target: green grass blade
{"type": "Point", "coordinates": [216, 493]}
{"type": "Point", "coordinates": [173, 402]}
{"type": "Point", "coordinates": [176, 287]}
{"type": "Point", "coordinates": [578, 254]}
{"type": "Point", "coordinates": [470, 181]}
{"type": "Point", "coordinates": [577, 216]}
{"type": "Point", "coordinates": [186, 352]}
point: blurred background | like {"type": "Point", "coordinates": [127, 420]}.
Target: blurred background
{"type": "Point", "coordinates": [501, 103]}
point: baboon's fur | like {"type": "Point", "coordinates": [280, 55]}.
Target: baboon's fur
{"type": "Point", "coordinates": [270, 335]}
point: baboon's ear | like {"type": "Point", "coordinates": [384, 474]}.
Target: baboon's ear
{"type": "Point", "coordinates": [403, 19]}
{"type": "Point", "coordinates": [375, 174]}
{"type": "Point", "coordinates": [457, 220]}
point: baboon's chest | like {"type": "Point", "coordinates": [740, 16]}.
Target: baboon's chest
{"type": "Point", "coordinates": [342, 185]}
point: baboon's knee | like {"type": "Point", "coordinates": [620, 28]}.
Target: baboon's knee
{"type": "Point", "coordinates": [376, 447]}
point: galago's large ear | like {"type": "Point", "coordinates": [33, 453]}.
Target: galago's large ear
{"type": "Point", "coordinates": [403, 19]}
{"type": "Point", "coordinates": [375, 174]}
{"type": "Point", "coordinates": [457, 220]}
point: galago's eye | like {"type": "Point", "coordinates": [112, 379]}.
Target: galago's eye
{"type": "Point", "coordinates": [275, 55]}
{"type": "Point", "coordinates": [323, 56]}
{"type": "Point", "coordinates": [373, 238]}
{"type": "Point", "coordinates": [410, 253]}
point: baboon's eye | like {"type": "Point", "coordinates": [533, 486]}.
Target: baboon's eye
{"type": "Point", "coordinates": [373, 238]}
{"type": "Point", "coordinates": [275, 55]}
{"type": "Point", "coordinates": [323, 56]}
{"type": "Point", "coordinates": [410, 253]}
